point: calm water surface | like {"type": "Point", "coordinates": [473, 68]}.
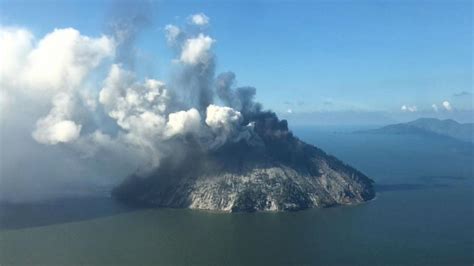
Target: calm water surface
{"type": "Point", "coordinates": [423, 214]}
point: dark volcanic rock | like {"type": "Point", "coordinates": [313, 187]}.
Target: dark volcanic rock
{"type": "Point", "coordinates": [274, 171]}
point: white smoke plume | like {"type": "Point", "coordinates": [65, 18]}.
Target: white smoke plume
{"type": "Point", "coordinates": [224, 122]}
{"type": "Point", "coordinates": [447, 106]}
{"type": "Point", "coordinates": [74, 97]}
{"type": "Point", "coordinates": [183, 122]}
{"type": "Point", "coordinates": [196, 50]}
{"type": "Point", "coordinates": [407, 108]}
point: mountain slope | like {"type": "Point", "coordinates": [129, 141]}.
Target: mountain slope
{"type": "Point", "coordinates": [431, 126]}
{"type": "Point", "coordinates": [276, 171]}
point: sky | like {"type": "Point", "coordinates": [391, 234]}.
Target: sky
{"type": "Point", "coordinates": [325, 61]}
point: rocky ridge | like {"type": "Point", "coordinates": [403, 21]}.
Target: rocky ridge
{"type": "Point", "coordinates": [277, 172]}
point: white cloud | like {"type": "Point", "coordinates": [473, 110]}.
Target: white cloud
{"type": "Point", "coordinates": [196, 50]}
{"type": "Point", "coordinates": [447, 106]}
{"type": "Point", "coordinates": [290, 111]}
{"type": "Point", "coordinates": [407, 108]}
{"type": "Point", "coordinates": [15, 44]}
{"type": "Point", "coordinates": [52, 132]}
{"type": "Point", "coordinates": [199, 19]}
{"type": "Point", "coordinates": [63, 58]}
{"type": "Point", "coordinates": [172, 33]}
{"type": "Point", "coordinates": [50, 70]}
{"type": "Point", "coordinates": [435, 107]}
{"type": "Point", "coordinates": [56, 126]}
{"type": "Point", "coordinates": [63, 54]}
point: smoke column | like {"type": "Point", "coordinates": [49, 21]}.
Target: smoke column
{"type": "Point", "coordinates": [61, 129]}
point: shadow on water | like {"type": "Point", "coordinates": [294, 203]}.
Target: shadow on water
{"type": "Point", "coordinates": [24, 215]}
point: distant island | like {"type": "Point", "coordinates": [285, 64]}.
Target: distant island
{"type": "Point", "coordinates": [430, 126]}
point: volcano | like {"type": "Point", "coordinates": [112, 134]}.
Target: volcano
{"type": "Point", "coordinates": [272, 170]}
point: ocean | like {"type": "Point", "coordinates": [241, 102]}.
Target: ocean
{"type": "Point", "coordinates": [423, 214]}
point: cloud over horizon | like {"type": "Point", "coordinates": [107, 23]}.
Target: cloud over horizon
{"type": "Point", "coordinates": [407, 108]}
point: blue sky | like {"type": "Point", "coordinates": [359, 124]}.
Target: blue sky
{"type": "Point", "coordinates": [307, 56]}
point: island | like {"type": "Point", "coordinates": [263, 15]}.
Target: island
{"type": "Point", "coordinates": [433, 127]}
{"type": "Point", "coordinates": [271, 171]}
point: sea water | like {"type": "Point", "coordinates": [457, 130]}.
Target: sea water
{"type": "Point", "coordinates": [423, 214]}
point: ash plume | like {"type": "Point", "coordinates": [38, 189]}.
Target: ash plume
{"type": "Point", "coordinates": [241, 98]}
{"type": "Point", "coordinates": [123, 124]}
{"type": "Point", "coordinates": [126, 21]}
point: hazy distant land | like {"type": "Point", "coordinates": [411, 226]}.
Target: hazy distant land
{"type": "Point", "coordinates": [430, 126]}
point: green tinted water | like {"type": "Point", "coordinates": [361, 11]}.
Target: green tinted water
{"type": "Point", "coordinates": [423, 214]}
